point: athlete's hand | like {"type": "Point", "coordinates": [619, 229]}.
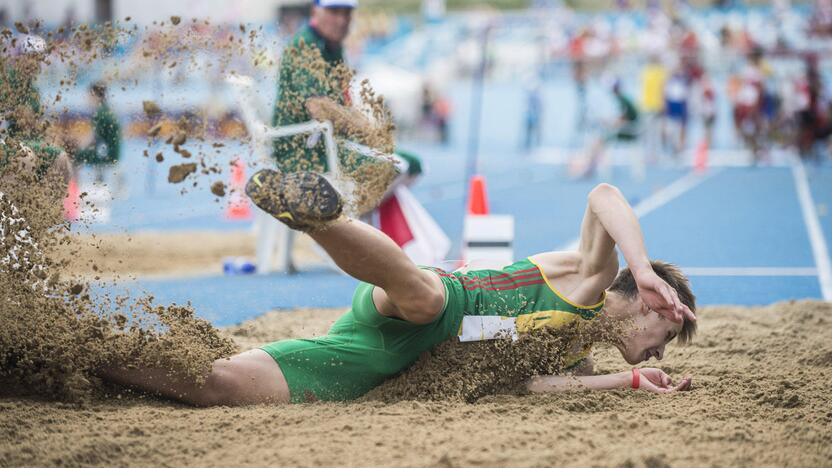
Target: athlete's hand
{"type": "Point", "coordinates": [656, 381]}
{"type": "Point", "coordinates": [661, 297]}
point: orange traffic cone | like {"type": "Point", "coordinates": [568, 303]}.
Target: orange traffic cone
{"type": "Point", "coordinates": [477, 199]}
{"type": "Point", "coordinates": [72, 200]}
{"type": "Point", "coordinates": [239, 208]}
{"type": "Point", "coordinates": [700, 159]}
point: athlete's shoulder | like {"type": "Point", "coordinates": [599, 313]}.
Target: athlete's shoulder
{"type": "Point", "coordinates": [556, 263]}
{"type": "Point", "coordinates": [564, 273]}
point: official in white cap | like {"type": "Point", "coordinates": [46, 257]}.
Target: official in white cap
{"type": "Point", "coordinates": [331, 20]}
{"type": "Point", "coordinates": [329, 24]}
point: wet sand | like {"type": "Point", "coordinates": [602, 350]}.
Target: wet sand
{"type": "Point", "coordinates": [761, 397]}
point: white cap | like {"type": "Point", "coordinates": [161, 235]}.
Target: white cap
{"type": "Point", "coordinates": [337, 3]}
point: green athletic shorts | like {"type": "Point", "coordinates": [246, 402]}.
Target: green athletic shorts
{"type": "Point", "coordinates": [362, 349]}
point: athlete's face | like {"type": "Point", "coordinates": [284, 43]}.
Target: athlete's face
{"type": "Point", "coordinates": [333, 24]}
{"type": "Point", "coordinates": [649, 335]}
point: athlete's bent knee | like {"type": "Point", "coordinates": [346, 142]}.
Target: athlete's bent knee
{"type": "Point", "coordinates": [425, 301]}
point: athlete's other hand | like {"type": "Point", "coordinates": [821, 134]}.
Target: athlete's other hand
{"type": "Point", "coordinates": [656, 381]}
{"type": "Point", "coordinates": [661, 297]}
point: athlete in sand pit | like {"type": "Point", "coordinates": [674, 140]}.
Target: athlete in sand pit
{"type": "Point", "coordinates": [401, 310]}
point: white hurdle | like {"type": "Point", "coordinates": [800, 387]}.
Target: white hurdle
{"type": "Point", "coordinates": [488, 240]}
{"type": "Point", "coordinates": [273, 236]}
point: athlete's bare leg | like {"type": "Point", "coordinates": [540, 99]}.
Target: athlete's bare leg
{"type": "Point", "coordinates": [248, 378]}
{"type": "Point", "coordinates": [367, 254]}
{"type": "Point", "coordinates": [306, 200]}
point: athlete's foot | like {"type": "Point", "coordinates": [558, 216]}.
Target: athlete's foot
{"type": "Point", "coordinates": [304, 201]}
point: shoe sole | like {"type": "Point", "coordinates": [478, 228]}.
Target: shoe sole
{"type": "Point", "coordinates": [298, 199]}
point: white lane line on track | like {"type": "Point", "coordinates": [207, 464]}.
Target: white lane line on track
{"type": "Point", "coordinates": [750, 271]}
{"type": "Point", "coordinates": [662, 197]}
{"type": "Point", "coordinates": [810, 218]}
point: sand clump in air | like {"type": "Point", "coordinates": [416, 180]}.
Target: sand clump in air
{"type": "Point", "coordinates": [54, 336]}
{"type": "Point", "coordinates": [179, 172]}
{"type": "Point", "coordinates": [56, 333]}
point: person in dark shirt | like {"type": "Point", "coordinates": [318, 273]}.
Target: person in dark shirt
{"type": "Point", "coordinates": [623, 129]}
{"type": "Point", "coordinates": [105, 150]}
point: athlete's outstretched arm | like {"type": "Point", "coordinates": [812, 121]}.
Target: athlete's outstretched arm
{"type": "Point", "coordinates": [609, 221]}
{"type": "Point", "coordinates": [651, 380]}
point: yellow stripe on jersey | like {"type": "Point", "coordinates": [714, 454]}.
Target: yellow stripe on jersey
{"type": "Point", "coordinates": [545, 318]}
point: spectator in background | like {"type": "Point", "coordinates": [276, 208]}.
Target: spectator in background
{"type": "Point", "coordinates": [813, 116]}
{"type": "Point", "coordinates": [441, 116]}
{"type": "Point", "coordinates": [653, 79]}
{"type": "Point", "coordinates": [436, 112]}
{"type": "Point", "coordinates": [328, 27]}
{"type": "Point", "coordinates": [427, 104]}
{"type": "Point", "coordinates": [623, 129]}
{"type": "Point", "coordinates": [707, 108]}
{"type": "Point", "coordinates": [105, 150]}
{"type": "Point", "coordinates": [676, 95]}
{"type": "Point", "coordinates": [310, 78]}
{"type": "Point", "coordinates": [533, 115]}
{"type": "Point", "coordinates": [749, 99]}
{"type": "Point", "coordinates": [577, 54]}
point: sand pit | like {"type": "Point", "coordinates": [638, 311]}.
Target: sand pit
{"type": "Point", "coordinates": [167, 254]}
{"type": "Point", "coordinates": [760, 397]}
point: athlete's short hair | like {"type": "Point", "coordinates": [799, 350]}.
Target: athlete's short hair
{"type": "Point", "coordinates": [625, 284]}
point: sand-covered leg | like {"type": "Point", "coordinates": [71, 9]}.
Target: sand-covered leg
{"type": "Point", "coordinates": [249, 378]}
{"type": "Point", "coordinates": [306, 201]}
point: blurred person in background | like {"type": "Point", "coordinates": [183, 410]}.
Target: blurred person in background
{"type": "Point", "coordinates": [328, 26]}
{"type": "Point", "coordinates": [577, 54]}
{"type": "Point", "coordinates": [105, 150]}
{"type": "Point", "coordinates": [436, 112]}
{"type": "Point", "coordinates": [707, 108]}
{"type": "Point", "coordinates": [813, 111]}
{"type": "Point", "coordinates": [303, 86]}
{"type": "Point", "coordinates": [23, 150]}
{"type": "Point", "coordinates": [427, 104]}
{"type": "Point", "coordinates": [532, 116]}
{"type": "Point", "coordinates": [441, 117]}
{"type": "Point", "coordinates": [653, 79]}
{"type": "Point", "coordinates": [749, 100]}
{"type": "Point", "coordinates": [676, 96]}
{"type": "Point", "coordinates": [624, 128]}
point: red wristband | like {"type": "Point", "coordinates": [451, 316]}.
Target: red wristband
{"type": "Point", "coordinates": [636, 378]}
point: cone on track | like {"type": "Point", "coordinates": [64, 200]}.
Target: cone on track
{"type": "Point", "coordinates": [72, 201]}
{"type": "Point", "coordinates": [477, 199]}
{"type": "Point", "coordinates": [239, 208]}
{"type": "Point", "coordinates": [700, 159]}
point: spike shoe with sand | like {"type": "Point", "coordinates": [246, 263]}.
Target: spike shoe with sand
{"type": "Point", "coordinates": [304, 201]}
